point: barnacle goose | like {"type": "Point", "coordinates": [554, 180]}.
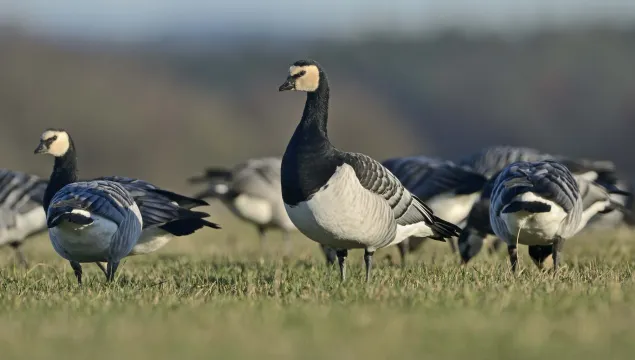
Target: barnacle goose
{"type": "Point", "coordinates": [252, 191]}
{"type": "Point", "coordinates": [345, 200]}
{"type": "Point", "coordinates": [450, 190]}
{"type": "Point", "coordinates": [478, 228]}
{"type": "Point", "coordinates": [21, 215]}
{"type": "Point", "coordinates": [541, 204]}
{"type": "Point", "coordinates": [164, 214]}
{"type": "Point", "coordinates": [91, 221]}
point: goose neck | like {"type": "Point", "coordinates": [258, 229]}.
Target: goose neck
{"type": "Point", "coordinates": [64, 173]}
{"type": "Point", "coordinates": [315, 115]}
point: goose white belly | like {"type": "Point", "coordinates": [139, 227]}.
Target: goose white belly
{"type": "Point", "coordinates": [342, 214]}
{"type": "Point", "coordinates": [251, 209]}
{"type": "Point", "coordinates": [151, 240]}
{"type": "Point", "coordinates": [452, 208]}
{"type": "Point", "coordinates": [28, 223]}
{"type": "Point", "coordinates": [535, 228]}
{"type": "Point", "coordinates": [84, 243]}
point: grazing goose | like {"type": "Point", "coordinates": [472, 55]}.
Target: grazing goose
{"type": "Point", "coordinates": [251, 191]}
{"type": "Point", "coordinates": [21, 215]}
{"type": "Point", "coordinates": [450, 190]}
{"type": "Point", "coordinates": [164, 214]}
{"type": "Point", "coordinates": [92, 221]}
{"type": "Point", "coordinates": [478, 228]}
{"type": "Point", "coordinates": [541, 204]}
{"type": "Point", "coordinates": [345, 200]}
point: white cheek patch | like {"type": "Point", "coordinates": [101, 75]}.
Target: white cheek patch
{"type": "Point", "coordinates": [307, 82]}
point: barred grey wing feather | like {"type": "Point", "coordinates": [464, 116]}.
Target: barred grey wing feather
{"type": "Point", "coordinates": [126, 236]}
{"type": "Point", "coordinates": [107, 199]}
{"type": "Point", "coordinates": [377, 179]}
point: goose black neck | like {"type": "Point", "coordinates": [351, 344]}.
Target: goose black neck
{"type": "Point", "coordinates": [64, 173]}
{"type": "Point", "coordinates": [312, 127]}
{"type": "Point", "coordinates": [310, 160]}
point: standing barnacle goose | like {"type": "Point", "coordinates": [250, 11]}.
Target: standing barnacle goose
{"type": "Point", "coordinates": [21, 215]}
{"type": "Point", "coordinates": [345, 200]}
{"type": "Point", "coordinates": [91, 221]}
{"type": "Point", "coordinates": [251, 191]}
{"type": "Point", "coordinates": [541, 204]}
{"type": "Point", "coordinates": [448, 189]}
{"type": "Point", "coordinates": [164, 214]}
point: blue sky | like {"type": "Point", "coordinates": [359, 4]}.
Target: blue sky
{"type": "Point", "coordinates": [144, 18]}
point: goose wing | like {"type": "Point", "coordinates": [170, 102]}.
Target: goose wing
{"type": "Point", "coordinates": [165, 209]}
{"type": "Point", "coordinates": [413, 170]}
{"type": "Point", "coordinates": [491, 160]}
{"type": "Point", "coordinates": [407, 208]}
{"type": "Point", "coordinates": [104, 198]}
{"type": "Point", "coordinates": [20, 192]}
{"type": "Point", "coordinates": [450, 178]}
{"type": "Point", "coordinates": [259, 178]}
{"type": "Point", "coordinates": [548, 179]}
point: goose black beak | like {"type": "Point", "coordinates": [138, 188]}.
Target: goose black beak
{"type": "Point", "coordinates": [288, 85]}
{"type": "Point", "coordinates": [41, 149]}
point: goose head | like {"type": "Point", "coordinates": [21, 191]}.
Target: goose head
{"type": "Point", "coordinates": [304, 75]}
{"type": "Point", "coordinates": [54, 142]}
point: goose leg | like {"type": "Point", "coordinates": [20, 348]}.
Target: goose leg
{"type": "Point", "coordinates": [111, 269]}
{"type": "Point", "coordinates": [452, 245]}
{"type": "Point", "coordinates": [513, 256]}
{"type": "Point", "coordinates": [403, 246]}
{"type": "Point", "coordinates": [261, 234]}
{"type": "Point", "coordinates": [17, 247]}
{"type": "Point", "coordinates": [341, 260]}
{"type": "Point", "coordinates": [368, 259]}
{"type": "Point", "coordinates": [102, 268]}
{"type": "Point", "coordinates": [77, 269]}
{"type": "Point", "coordinates": [557, 248]}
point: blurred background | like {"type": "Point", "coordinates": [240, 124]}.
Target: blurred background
{"type": "Point", "coordinates": [159, 89]}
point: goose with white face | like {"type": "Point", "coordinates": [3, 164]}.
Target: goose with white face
{"type": "Point", "coordinates": [302, 78]}
{"type": "Point", "coordinates": [53, 142]}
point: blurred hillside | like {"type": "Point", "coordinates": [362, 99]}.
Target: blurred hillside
{"type": "Point", "coordinates": [162, 111]}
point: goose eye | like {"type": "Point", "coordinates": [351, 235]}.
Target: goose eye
{"type": "Point", "coordinates": [300, 74]}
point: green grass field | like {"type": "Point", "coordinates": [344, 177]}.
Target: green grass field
{"type": "Point", "coordinates": [211, 296]}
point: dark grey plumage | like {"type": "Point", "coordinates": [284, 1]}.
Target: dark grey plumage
{"type": "Point", "coordinates": [164, 213]}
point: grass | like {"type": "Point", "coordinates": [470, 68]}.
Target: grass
{"type": "Point", "coordinates": [210, 296]}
